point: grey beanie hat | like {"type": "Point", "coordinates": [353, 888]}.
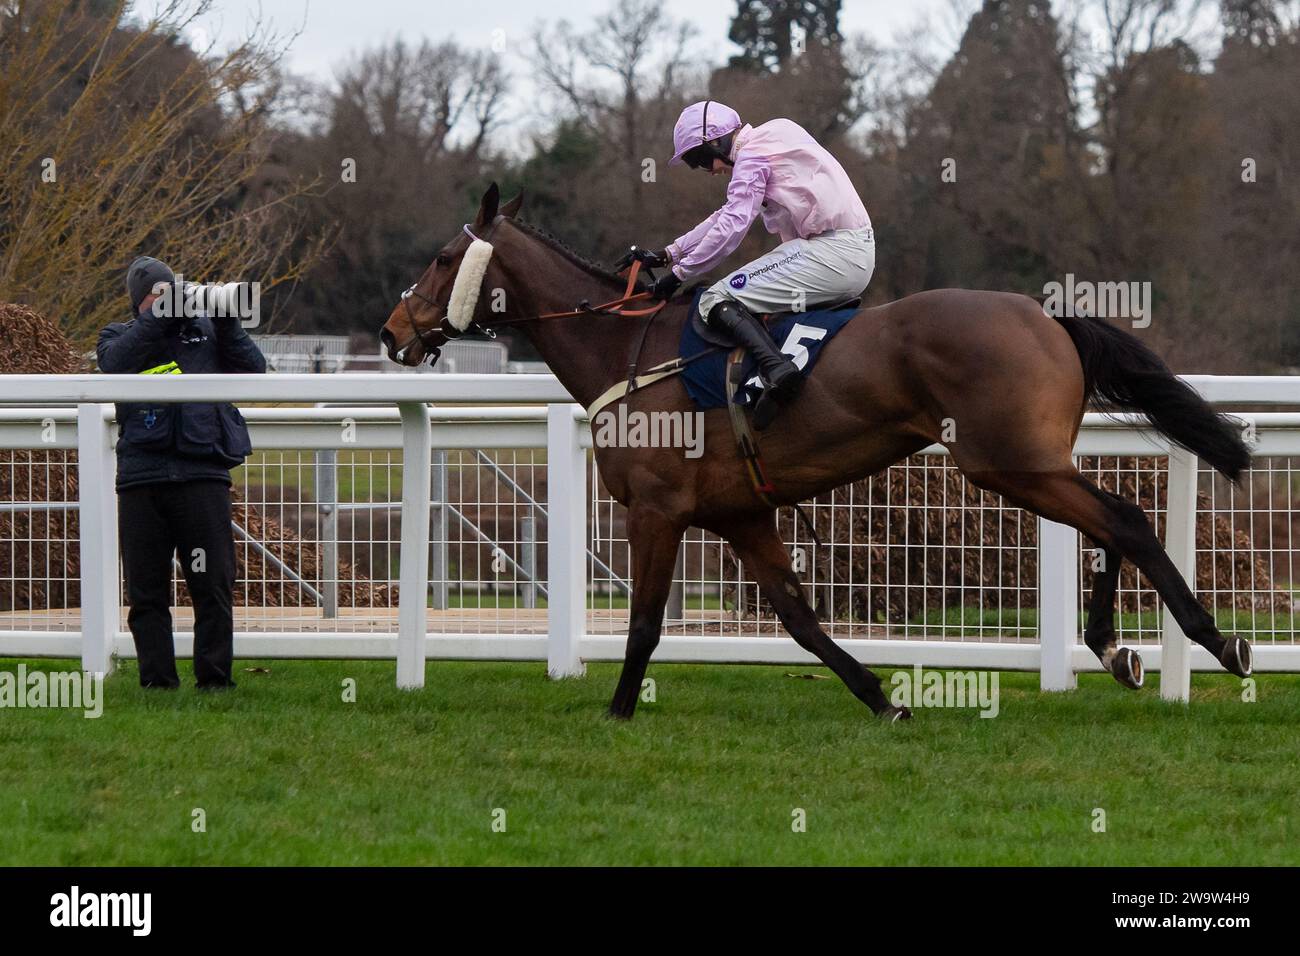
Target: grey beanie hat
{"type": "Point", "coordinates": [142, 275]}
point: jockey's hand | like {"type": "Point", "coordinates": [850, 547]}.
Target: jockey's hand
{"type": "Point", "coordinates": [646, 257]}
{"type": "Point", "coordinates": [665, 286]}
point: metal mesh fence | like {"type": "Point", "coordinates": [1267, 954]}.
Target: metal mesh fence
{"type": "Point", "coordinates": [915, 552]}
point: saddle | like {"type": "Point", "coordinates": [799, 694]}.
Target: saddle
{"type": "Point", "coordinates": [718, 337]}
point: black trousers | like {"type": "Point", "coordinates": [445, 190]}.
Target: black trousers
{"type": "Point", "coordinates": [190, 519]}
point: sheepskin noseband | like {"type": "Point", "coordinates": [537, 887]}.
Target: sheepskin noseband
{"type": "Point", "coordinates": [469, 280]}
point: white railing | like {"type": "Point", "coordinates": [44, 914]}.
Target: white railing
{"type": "Point", "coordinates": [475, 412]}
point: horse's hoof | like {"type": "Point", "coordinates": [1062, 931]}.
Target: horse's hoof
{"type": "Point", "coordinates": [1237, 657]}
{"type": "Point", "coordinates": [1126, 667]}
{"type": "Point", "coordinates": [892, 714]}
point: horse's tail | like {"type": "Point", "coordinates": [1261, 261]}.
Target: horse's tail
{"type": "Point", "coordinates": [1123, 372]}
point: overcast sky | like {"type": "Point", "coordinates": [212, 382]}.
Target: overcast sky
{"type": "Point", "coordinates": [332, 29]}
{"type": "Point", "coordinates": [330, 32]}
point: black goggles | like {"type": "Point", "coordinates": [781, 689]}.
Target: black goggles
{"type": "Point", "coordinates": [699, 157]}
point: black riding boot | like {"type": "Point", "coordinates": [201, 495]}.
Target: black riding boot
{"type": "Point", "coordinates": [780, 374]}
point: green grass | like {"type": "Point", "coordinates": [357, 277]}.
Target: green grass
{"type": "Point", "coordinates": [361, 476]}
{"type": "Point", "coordinates": [710, 773]}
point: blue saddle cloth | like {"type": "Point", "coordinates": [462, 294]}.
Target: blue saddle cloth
{"type": "Point", "coordinates": [798, 334]}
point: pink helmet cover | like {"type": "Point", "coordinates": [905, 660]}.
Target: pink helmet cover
{"type": "Point", "coordinates": [694, 127]}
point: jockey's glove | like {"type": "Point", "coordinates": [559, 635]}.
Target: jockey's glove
{"type": "Point", "coordinates": [665, 286]}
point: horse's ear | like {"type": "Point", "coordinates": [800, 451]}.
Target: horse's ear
{"type": "Point", "coordinates": [511, 209]}
{"type": "Point", "coordinates": [487, 209]}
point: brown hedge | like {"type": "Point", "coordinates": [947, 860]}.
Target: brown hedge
{"type": "Point", "coordinates": [957, 548]}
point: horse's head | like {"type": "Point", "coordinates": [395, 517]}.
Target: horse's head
{"type": "Point", "coordinates": [440, 306]}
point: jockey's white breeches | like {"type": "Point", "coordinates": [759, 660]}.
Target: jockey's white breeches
{"type": "Point", "coordinates": [801, 274]}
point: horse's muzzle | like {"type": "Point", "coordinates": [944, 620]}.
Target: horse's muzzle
{"type": "Point", "coordinates": [400, 354]}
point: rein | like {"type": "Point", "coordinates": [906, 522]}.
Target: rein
{"type": "Point", "coordinates": [449, 331]}
{"type": "Point", "coordinates": [614, 307]}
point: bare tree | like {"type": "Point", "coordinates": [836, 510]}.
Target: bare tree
{"type": "Point", "coordinates": [433, 98]}
{"type": "Point", "coordinates": [622, 80]}
{"type": "Point", "coordinates": [119, 140]}
{"type": "Point", "coordinates": [413, 126]}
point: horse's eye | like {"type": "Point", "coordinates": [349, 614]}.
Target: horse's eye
{"type": "Point", "coordinates": [443, 259]}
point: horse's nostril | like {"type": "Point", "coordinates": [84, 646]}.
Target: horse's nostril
{"type": "Point", "coordinates": [386, 340]}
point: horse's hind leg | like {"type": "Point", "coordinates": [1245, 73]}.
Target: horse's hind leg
{"type": "Point", "coordinates": [1123, 663]}
{"type": "Point", "coordinates": [1121, 526]}
{"type": "Point", "coordinates": [1099, 634]}
{"type": "Point", "coordinates": [759, 547]}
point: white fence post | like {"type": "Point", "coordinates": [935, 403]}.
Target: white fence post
{"type": "Point", "coordinates": [1058, 604]}
{"type": "Point", "coordinates": [528, 559]}
{"type": "Point", "coordinates": [1180, 545]}
{"type": "Point", "coordinates": [100, 579]}
{"type": "Point", "coordinates": [327, 501]}
{"type": "Point", "coordinates": [566, 542]}
{"type": "Point", "coordinates": [675, 610]}
{"type": "Point", "coordinates": [439, 573]}
{"type": "Point", "coordinates": [412, 611]}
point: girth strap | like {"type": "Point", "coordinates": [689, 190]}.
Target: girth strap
{"type": "Point", "coordinates": [621, 389]}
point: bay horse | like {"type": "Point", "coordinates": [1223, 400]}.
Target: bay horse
{"type": "Point", "coordinates": [1004, 384]}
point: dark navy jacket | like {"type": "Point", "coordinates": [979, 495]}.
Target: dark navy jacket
{"type": "Point", "coordinates": [189, 441]}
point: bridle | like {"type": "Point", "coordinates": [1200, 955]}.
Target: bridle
{"type": "Point", "coordinates": [450, 332]}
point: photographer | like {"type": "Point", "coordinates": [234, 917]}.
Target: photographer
{"type": "Point", "coordinates": [173, 475]}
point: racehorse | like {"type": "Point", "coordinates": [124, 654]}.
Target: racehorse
{"type": "Point", "coordinates": [1004, 384]}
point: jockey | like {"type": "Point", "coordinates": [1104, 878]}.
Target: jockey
{"type": "Point", "coordinates": [827, 252]}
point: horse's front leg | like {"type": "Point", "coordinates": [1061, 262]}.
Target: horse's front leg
{"type": "Point", "coordinates": [654, 538]}
{"type": "Point", "coordinates": [760, 549]}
